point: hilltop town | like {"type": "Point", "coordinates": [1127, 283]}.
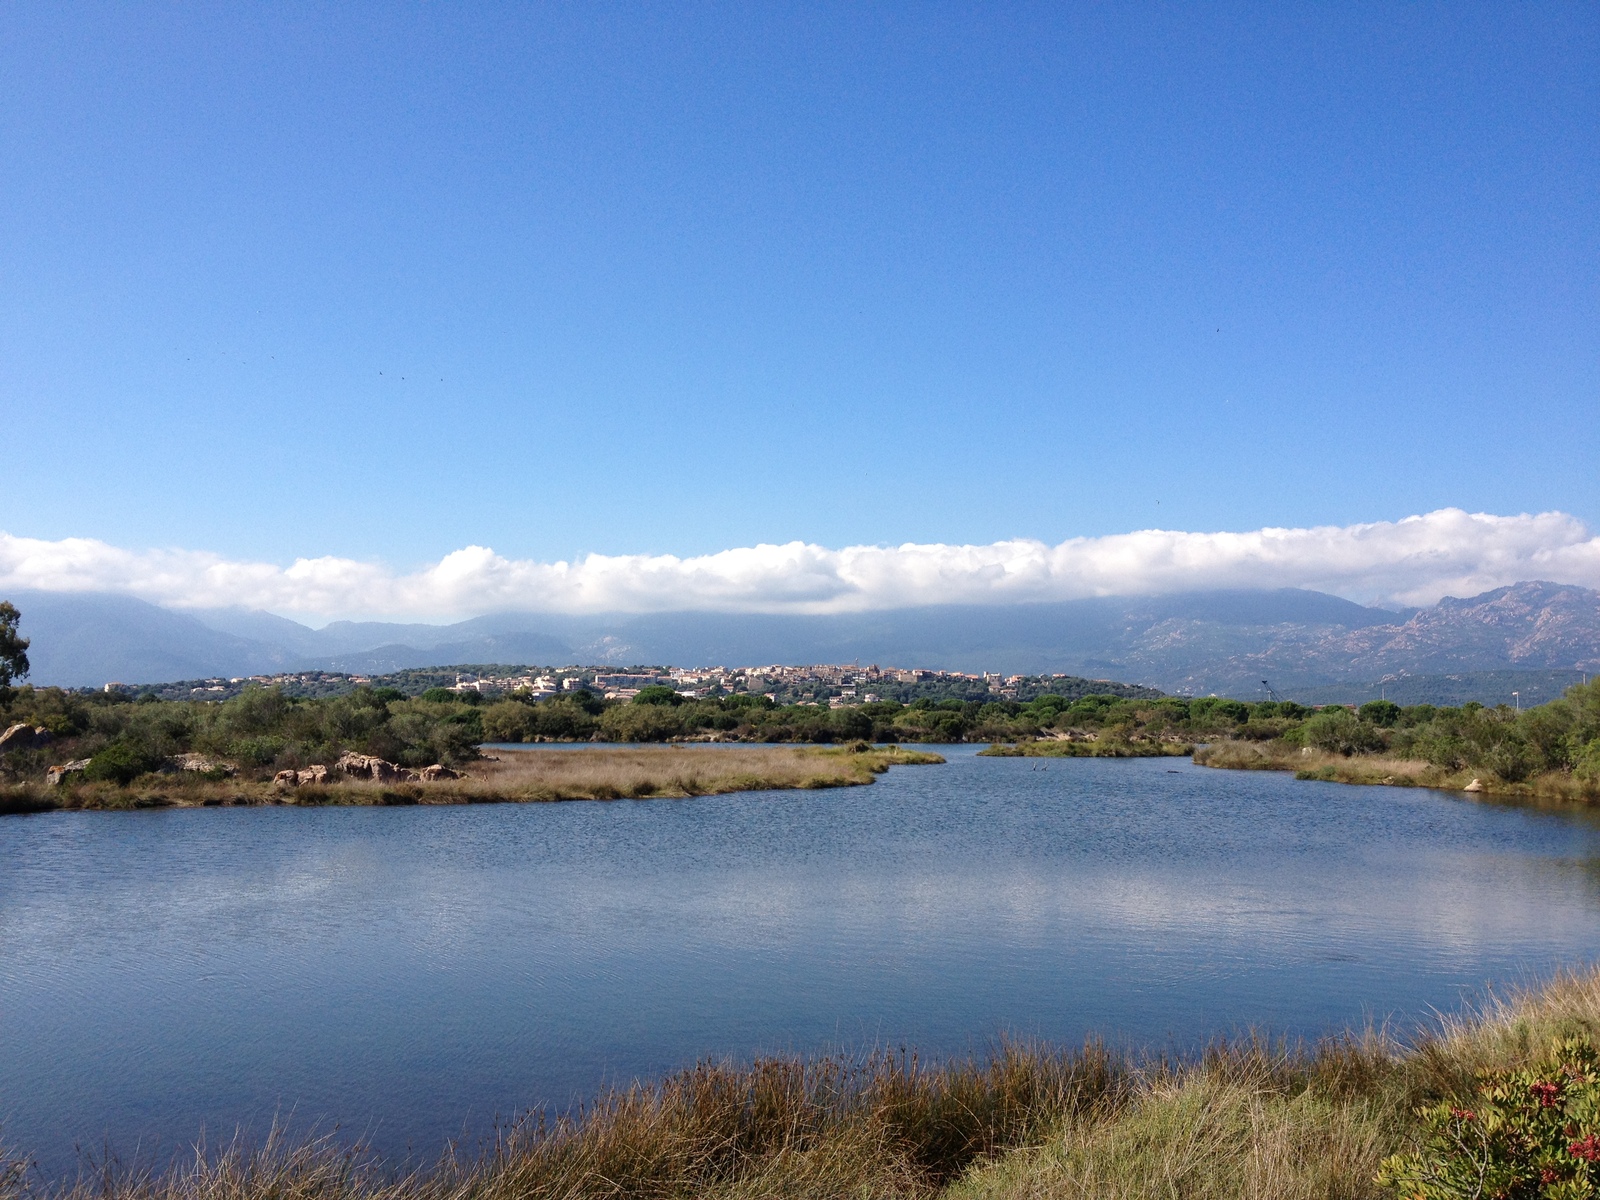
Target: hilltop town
{"type": "Point", "coordinates": [824, 684]}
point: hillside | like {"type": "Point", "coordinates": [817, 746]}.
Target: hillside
{"type": "Point", "coordinates": [1304, 643]}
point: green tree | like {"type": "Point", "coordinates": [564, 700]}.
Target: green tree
{"type": "Point", "coordinates": [658, 694]}
{"type": "Point", "coordinates": [13, 646]}
{"type": "Point", "coordinates": [508, 721]}
{"type": "Point", "coordinates": [1380, 712]}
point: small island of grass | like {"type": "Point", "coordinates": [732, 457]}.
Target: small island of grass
{"type": "Point", "coordinates": [1090, 748]}
{"type": "Point", "coordinates": [582, 773]}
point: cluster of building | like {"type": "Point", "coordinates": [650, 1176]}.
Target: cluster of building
{"type": "Point", "coordinates": [841, 684]}
{"type": "Point", "coordinates": [832, 684]}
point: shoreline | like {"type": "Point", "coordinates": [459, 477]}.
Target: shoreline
{"type": "Point", "coordinates": [587, 771]}
{"type": "Point", "coordinates": [1063, 748]}
{"type": "Point", "coordinates": [1378, 770]}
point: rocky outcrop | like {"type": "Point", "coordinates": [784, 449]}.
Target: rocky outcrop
{"type": "Point", "coordinates": [24, 737]}
{"type": "Point", "coordinates": [369, 766]}
{"type": "Point", "coordinates": [314, 774]}
{"type": "Point", "coordinates": [57, 775]}
{"type": "Point", "coordinates": [363, 766]}
{"type": "Point", "coordinates": [199, 762]}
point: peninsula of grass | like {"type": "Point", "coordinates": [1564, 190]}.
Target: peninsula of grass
{"type": "Point", "coordinates": [589, 773]}
{"type": "Point", "coordinates": [1378, 768]}
{"type": "Point", "coordinates": [1088, 749]}
{"type": "Point", "coordinates": [1245, 1120]}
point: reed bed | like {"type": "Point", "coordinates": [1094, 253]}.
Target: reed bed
{"type": "Point", "coordinates": [1253, 1120]}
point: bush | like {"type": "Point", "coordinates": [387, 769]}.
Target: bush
{"type": "Point", "coordinates": [1530, 1135]}
{"type": "Point", "coordinates": [1380, 712]}
{"type": "Point", "coordinates": [508, 721]}
{"type": "Point", "coordinates": [640, 723]}
{"type": "Point", "coordinates": [122, 762]}
{"type": "Point", "coordinates": [1340, 731]}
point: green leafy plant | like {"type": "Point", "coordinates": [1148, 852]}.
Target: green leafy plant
{"type": "Point", "coordinates": [1532, 1134]}
{"type": "Point", "coordinates": [122, 762]}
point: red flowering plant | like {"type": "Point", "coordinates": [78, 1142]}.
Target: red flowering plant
{"type": "Point", "coordinates": [1529, 1135]}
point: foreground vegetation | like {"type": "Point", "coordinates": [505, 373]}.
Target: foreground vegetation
{"type": "Point", "coordinates": [1244, 1120]}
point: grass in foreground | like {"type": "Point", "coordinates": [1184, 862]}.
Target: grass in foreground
{"type": "Point", "coordinates": [600, 773]}
{"type": "Point", "coordinates": [1243, 1121]}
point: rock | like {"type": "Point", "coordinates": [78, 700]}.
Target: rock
{"type": "Point", "coordinates": [24, 737]}
{"type": "Point", "coordinates": [287, 779]}
{"type": "Point", "coordinates": [199, 762]}
{"type": "Point", "coordinates": [438, 771]}
{"type": "Point", "coordinates": [1474, 786]}
{"type": "Point", "coordinates": [316, 773]}
{"type": "Point", "coordinates": [55, 776]}
{"type": "Point", "coordinates": [367, 766]}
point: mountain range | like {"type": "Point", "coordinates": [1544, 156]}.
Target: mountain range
{"type": "Point", "coordinates": [1301, 641]}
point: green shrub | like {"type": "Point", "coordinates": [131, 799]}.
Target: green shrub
{"type": "Point", "coordinates": [1588, 764]}
{"type": "Point", "coordinates": [1380, 712]}
{"type": "Point", "coordinates": [641, 723]}
{"type": "Point", "coordinates": [122, 762]}
{"type": "Point", "coordinates": [658, 694]}
{"type": "Point", "coordinates": [508, 721]}
{"type": "Point", "coordinates": [1530, 1135]}
{"type": "Point", "coordinates": [1340, 731]}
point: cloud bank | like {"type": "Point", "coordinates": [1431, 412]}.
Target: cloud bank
{"type": "Point", "coordinates": [1412, 561]}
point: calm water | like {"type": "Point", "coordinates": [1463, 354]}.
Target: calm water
{"type": "Point", "coordinates": [411, 973]}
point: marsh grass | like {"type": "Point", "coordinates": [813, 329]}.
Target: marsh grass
{"type": "Point", "coordinates": [1251, 1120]}
{"type": "Point", "coordinates": [1051, 748]}
{"type": "Point", "coordinates": [1389, 771]}
{"type": "Point", "coordinates": [600, 773]}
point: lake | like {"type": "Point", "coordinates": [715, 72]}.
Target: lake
{"type": "Point", "coordinates": [409, 974]}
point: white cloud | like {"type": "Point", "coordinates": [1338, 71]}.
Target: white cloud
{"type": "Point", "coordinates": [1411, 561]}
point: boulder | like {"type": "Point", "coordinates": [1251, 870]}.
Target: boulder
{"type": "Point", "coordinates": [287, 778]}
{"type": "Point", "coordinates": [368, 766]}
{"type": "Point", "coordinates": [199, 762]}
{"type": "Point", "coordinates": [316, 773]}
{"type": "Point", "coordinates": [57, 775]}
{"type": "Point", "coordinates": [24, 737]}
{"type": "Point", "coordinates": [1474, 786]}
{"type": "Point", "coordinates": [438, 771]}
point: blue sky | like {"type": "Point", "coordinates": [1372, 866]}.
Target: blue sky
{"type": "Point", "coordinates": [382, 282]}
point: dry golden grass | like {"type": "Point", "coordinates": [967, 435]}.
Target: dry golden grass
{"type": "Point", "coordinates": [607, 773]}
{"type": "Point", "coordinates": [1244, 1122]}
{"type": "Point", "coordinates": [590, 773]}
{"type": "Point", "coordinates": [1052, 748]}
{"type": "Point", "coordinates": [1392, 772]}
{"type": "Point", "coordinates": [1247, 1124]}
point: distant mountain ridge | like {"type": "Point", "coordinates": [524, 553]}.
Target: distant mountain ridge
{"type": "Point", "coordinates": [1225, 642]}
